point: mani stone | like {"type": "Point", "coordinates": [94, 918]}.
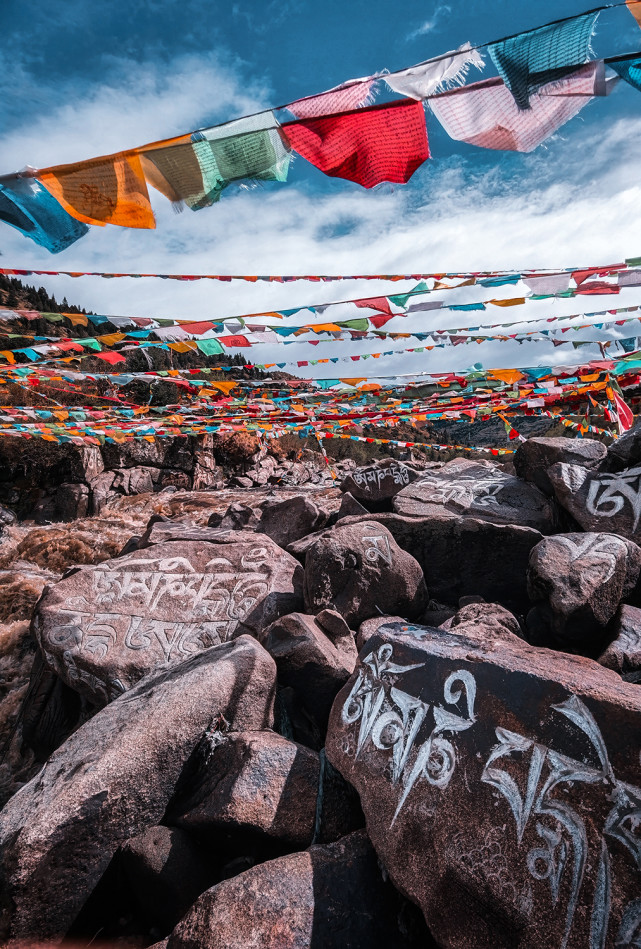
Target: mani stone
{"type": "Point", "coordinates": [534, 456]}
{"type": "Point", "coordinates": [378, 482]}
{"type": "Point", "coordinates": [500, 785]}
{"type": "Point", "coordinates": [577, 581]}
{"type": "Point", "coordinates": [360, 571]}
{"type": "Point", "coordinates": [327, 897]}
{"type": "Point", "coordinates": [463, 556]}
{"type": "Point", "coordinates": [480, 490]}
{"type": "Point", "coordinates": [600, 502]}
{"type": "Point", "coordinates": [624, 652]}
{"type": "Point", "coordinates": [113, 778]}
{"type": "Point", "coordinates": [104, 627]}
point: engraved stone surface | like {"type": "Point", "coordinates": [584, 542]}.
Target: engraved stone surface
{"type": "Point", "coordinates": [480, 490]}
{"type": "Point", "coordinates": [600, 502]}
{"type": "Point", "coordinates": [360, 571]}
{"type": "Point", "coordinates": [534, 456]}
{"type": "Point", "coordinates": [379, 482]}
{"type": "Point", "coordinates": [113, 778]}
{"type": "Point", "coordinates": [577, 581]}
{"type": "Point", "coordinates": [104, 627]}
{"type": "Point", "coordinates": [501, 785]}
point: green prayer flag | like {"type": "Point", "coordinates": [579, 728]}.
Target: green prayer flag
{"type": "Point", "coordinates": [210, 347]}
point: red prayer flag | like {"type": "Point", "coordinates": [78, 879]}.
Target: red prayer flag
{"type": "Point", "coordinates": [234, 341]}
{"type": "Point", "coordinates": [368, 146]}
{"type": "Point", "coordinates": [110, 357]}
{"type": "Point", "coordinates": [375, 303]}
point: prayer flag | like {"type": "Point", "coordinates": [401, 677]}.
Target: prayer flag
{"type": "Point", "coordinates": [629, 67]}
{"type": "Point", "coordinates": [530, 60]}
{"type": "Point", "coordinates": [108, 190]}
{"type": "Point", "coordinates": [350, 95]}
{"type": "Point", "coordinates": [485, 114]}
{"type": "Point", "coordinates": [210, 347]}
{"type": "Point", "coordinates": [368, 146]}
{"type": "Point", "coordinates": [424, 80]}
{"type": "Point", "coordinates": [111, 357]}
{"type": "Point", "coordinates": [27, 206]}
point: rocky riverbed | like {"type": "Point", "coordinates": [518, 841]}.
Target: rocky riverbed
{"type": "Point", "coordinates": [395, 708]}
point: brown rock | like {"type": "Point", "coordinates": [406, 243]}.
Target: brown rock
{"type": "Point", "coordinates": [624, 652]}
{"type": "Point", "coordinates": [166, 872]}
{"type": "Point", "coordinates": [113, 778]}
{"type": "Point", "coordinates": [498, 786]}
{"type": "Point", "coordinates": [104, 627]}
{"type": "Point", "coordinates": [266, 784]}
{"type": "Point", "coordinates": [360, 571]}
{"type": "Point", "coordinates": [486, 621]}
{"type": "Point", "coordinates": [534, 456]}
{"type": "Point", "coordinates": [350, 507]}
{"type": "Point", "coordinates": [72, 501]}
{"type": "Point", "coordinates": [578, 580]}
{"type": "Point", "coordinates": [311, 661]}
{"type": "Point", "coordinates": [237, 517]}
{"type": "Point", "coordinates": [378, 482]}
{"type": "Point", "coordinates": [328, 897]}
{"type": "Point", "coordinates": [600, 502]}
{"type": "Point", "coordinates": [289, 520]}
{"type": "Point", "coordinates": [480, 490]}
{"type": "Point", "coordinates": [625, 452]}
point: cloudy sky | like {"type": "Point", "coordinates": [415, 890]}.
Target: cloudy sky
{"type": "Point", "coordinates": [79, 80]}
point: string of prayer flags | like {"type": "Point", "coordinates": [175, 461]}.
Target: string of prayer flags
{"type": "Point", "coordinates": [27, 206]}
{"type": "Point", "coordinates": [350, 95]}
{"type": "Point", "coordinates": [451, 69]}
{"type": "Point", "coordinates": [368, 146]}
{"type": "Point", "coordinates": [485, 113]}
{"type": "Point", "coordinates": [629, 67]}
{"type": "Point", "coordinates": [530, 60]}
{"type": "Point", "coordinates": [108, 190]}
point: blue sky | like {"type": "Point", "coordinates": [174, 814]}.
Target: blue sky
{"type": "Point", "coordinates": [80, 79]}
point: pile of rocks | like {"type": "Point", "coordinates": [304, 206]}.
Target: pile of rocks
{"type": "Point", "coordinates": [407, 716]}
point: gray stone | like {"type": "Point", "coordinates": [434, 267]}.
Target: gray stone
{"type": "Point", "coordinates": [479, 490]}
{"type": "Point", "coordinates": [113, 778]}
{"type": "Point", "coordinates": [625, 452]}
{"type": "Point", "coordinates": [378, 482]}
{"type": "Point", "coordinates": [289, 520]}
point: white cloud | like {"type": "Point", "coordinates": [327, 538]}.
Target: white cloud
{"type": "Point", "coordinates": [433, 24]}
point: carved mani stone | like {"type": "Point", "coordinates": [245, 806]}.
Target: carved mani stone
{"type": "Point", "coordinates": [534, 456]}
{"type": "Point", "coordinates": [104, 627]}
{"type": "Point", "coordinates": [360, 571]}
{"type": "Point", "coordinates": [480, 490]}
{"type": "Point", "coordinates": [501, 787]}
{"type": "Point", "coordinates": [578, 580]}
{"type": "Point", "coordinates": [600, 502]}
{"type": "Point", "coordinates": [378, 482]}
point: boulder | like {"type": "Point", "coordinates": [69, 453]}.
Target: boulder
{"type": "Point", "coordinates": [624, 652]}
{"type": "Point", "coordinates": [498, 786]}
{"type": "Point", "coordinates": [360, 571]}
{"type": "Point", "coordinates": [7, 517]}
{"type": "Point", "coordinates": [349, 507]}
{"type": "Point", "coordinates": [177, 453]}
{"type": "Point", "coordinates": [113, 778]}
{"type": "Point", "coordinates": [577, 581]}
{"type": "Point", "coordinates": [453, 554]}
{"type": "Point", "coordinates": [327, 897]}
{"type": "Point", "coordinates": [312, 660]}
{"type": "Point", "coordinates": [103, 627]}
{"type": "Point", "coordinates": [480, 490]}
{"type": "Point", "coordinates": [600, 501]}
{"type": "Point", "coordinates": [488, 621]}
{"type": "Point", "coordinates": [262, 783]}
{"type": "Point", "coordinates": [534, 456]}
{"type": "Point", "coordinates": [72, 501]}
{"type": "Point", "coordinates": [289, 520]}
{"type": "Point", "coordinates": [378, 482]}
{"type": "Point", "coordinates": [50, 712]}
{"type": "Point", "coordinates": [237, 517]}
{"type": "Point", "coordinates": [625, 452]}
{"type": "Point", "coordinates": [161, 530]}
{"type": "Point", "coordinates": [166, 872]}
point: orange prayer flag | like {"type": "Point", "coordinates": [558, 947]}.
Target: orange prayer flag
{"type": "Point", "coordinates": [8, 355]}
{"type": "Point", "coordinates": [107, 190]}
{"type": "Point", "coordinates": [516, 301]}
{"type": "Point", "coordinates": [77, 319]}
{"type": "Point", "coordinates": [185, 347]}
{"type": "Point", "coordinates": [634, 6]}
{"type": "Point", "coordinates": [111, 338]}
